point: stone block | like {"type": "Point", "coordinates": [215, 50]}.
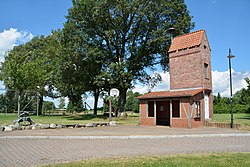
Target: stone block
{"type": "Point", "coordinates": [8, 128]}
{"type": "Point", "coordinates": [52, 126]}
{"type": "Point", "coordinates": [59, 126]}
{"type": "Point", "coordinates": [17, 126]}
{"type": "Point", "coordinates": [112, 123]}
{"type": "Point", "coordinates": [89, 125]}
{"type": "Point", "coordinates": [28, 128]}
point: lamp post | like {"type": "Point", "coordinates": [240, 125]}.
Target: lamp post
{"type": "Point", "coordinates": [230, 56]}
{"type": "Point", "coordinates": [171, 33]}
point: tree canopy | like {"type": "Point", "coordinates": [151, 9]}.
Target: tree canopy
{"type": "Point", "coordinates": [132, 35]}
{"type": "Point", "coordinates": [104, 44]}
{"type": "Point", "coordinates": [28, 67]}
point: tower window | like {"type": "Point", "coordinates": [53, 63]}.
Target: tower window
{"type": "Point", "coordinates": [206, 70]}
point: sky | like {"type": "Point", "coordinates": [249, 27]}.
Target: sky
{"type": "Point", "coordinates": [226, 22]}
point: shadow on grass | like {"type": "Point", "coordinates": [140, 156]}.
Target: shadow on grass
{"type": "Point", "coordinates": [245, 117]}
{"type": "Point", "coordinates": [85, 117]}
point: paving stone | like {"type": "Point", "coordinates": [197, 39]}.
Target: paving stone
{"type": "Point", "coordinates": [56, 150]}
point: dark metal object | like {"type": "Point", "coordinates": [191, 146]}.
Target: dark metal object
{"type": "Point", "coordinates": [230, 56]}
{"type": "Point", "coordinates": [25, 117]}
{"type": "Point", "coordinates": [171, 32]}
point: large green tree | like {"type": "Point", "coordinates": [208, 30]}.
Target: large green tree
{"type": "Point", "coordinates": [29, 67]}
{"type": "Point", "coordinates": [132, 35]}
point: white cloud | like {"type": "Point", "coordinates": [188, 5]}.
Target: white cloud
{"type": "Point", "coordinates": [164, 85]}
{"type": "Point", "coordinates": [89, 99]}
{"type": "Point", "coordinates": [10, 38]}
{"type": "Point", "coordinates": [221, 82]}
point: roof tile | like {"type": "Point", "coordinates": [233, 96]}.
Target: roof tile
{"type": "Point", "coordinates": [187, 40]}
{"type": "Point", "coordinates": [169, 94]}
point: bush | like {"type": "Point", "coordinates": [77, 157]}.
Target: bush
{"type": "Point", "coordinates": [221, 109]}
{"type": "Point", "coordinates": [237, 108]}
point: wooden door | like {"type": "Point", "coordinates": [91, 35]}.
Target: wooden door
{"type": "Point", "coordinates": [163, 113]}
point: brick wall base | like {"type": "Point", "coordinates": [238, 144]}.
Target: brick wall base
{"type": "Point", "coordinates": [221, 125]}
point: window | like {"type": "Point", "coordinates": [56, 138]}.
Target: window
{"type": "Point", "coordinates": [197, 113]}
{"type": "Point", "coordinates": [150, 109]}
{"type": "Point", "coordinates": [176, 108]}
{"type": "Point", "coordinates": [206, 70]}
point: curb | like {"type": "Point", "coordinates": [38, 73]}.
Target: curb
{"type": "Point", "coordinates": [125, 137]}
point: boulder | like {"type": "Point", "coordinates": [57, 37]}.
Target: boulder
{"type": "Point", "coordinates": [8, 128]}
{"type": "Point", "coordinates": [28, 128]}
{"type": "Point", "coordinates": [52, 126]}
{"type": "Point", "coordinates": [59, 127]}
{"type": "Point", "coordinates": [44, 126]}
{"type": "Point", "coordinates": [1, 128]}
{"type": "Point", "coordinates": [112, 123]}
{"type": "Point", "coordinates": [35, 127]}
{"type": "Point", "coordinates": [89, 125]}
{"type": "Point", "coordinates": [17, 126]}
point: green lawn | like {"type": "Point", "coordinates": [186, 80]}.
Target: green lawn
{"type": "Point", "coordinates": [190, 160]}
{"type": "Point", "coordinates": [71, 119]}
{"type": "Point", "coordinates": [240, 118]}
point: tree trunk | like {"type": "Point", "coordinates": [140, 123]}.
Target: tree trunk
{"type": "Point", "coordinates": [96, 95]}
{"type": "Point", "coordinates": [40, 105]}
{"type": "Point", "coordinates": [122, 101]}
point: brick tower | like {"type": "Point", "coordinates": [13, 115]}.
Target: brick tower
{"type": "Point", "coordinates": [190, 66]}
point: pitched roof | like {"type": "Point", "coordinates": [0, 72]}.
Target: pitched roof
{"type": "Point", "coordinates": [187, 40]}
{"type": "Point", "coordinates": [169, 94]}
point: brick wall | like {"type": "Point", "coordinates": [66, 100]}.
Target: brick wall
{"type": "Point", "coordinates": [185, 69]}
{"type": "Point", "coordinates": [143, 109]}
{"type": "Point", "coordinates": [150, 121]}
{"type": "Point", "coordinates": [180, 123]}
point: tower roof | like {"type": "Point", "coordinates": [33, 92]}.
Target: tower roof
{"type": "Point", "coordinates": [187, 40]}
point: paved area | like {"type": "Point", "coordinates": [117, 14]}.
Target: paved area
{"type": "Point", "coordinates": [123, 131]}
{"type": "Point", "coordinates": [23, 151]}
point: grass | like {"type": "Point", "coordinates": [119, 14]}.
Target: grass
{"type": "Point", "coordinates": [190, 160]}
{"type": "Point", "coordinates": [80, 118]}
{"type": "Point", "coordinates": [240, 118]}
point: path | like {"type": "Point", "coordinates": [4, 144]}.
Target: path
{"type": "Point", "coordinates": [37, 151]}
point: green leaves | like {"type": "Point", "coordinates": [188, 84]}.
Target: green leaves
{"type": "Point", "coordinates": [131, 36]}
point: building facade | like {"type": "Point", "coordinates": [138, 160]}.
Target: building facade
{"type": "Point", "coordinates": [189, 101]}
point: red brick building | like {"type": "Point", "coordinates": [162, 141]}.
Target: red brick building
{"type": "Point", "coordinates": [189, 102]}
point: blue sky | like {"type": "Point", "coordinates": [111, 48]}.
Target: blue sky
{"type": "Point", "coordinates": [225, 21]}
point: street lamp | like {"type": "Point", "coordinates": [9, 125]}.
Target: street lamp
{"type": "Point", "coordinates": [230, 56]}
{"type": "Point", "coordinates": [171, 33]}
